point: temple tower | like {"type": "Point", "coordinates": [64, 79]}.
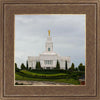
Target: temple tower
{"type": "Point", "coordinates": [49, 43]}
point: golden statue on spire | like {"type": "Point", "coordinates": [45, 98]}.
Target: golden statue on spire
{"type": "Point", "coordinates": [49, 32]}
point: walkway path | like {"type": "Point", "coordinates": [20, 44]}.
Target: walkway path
{"type": "Point", "coordinates": [40, 83]}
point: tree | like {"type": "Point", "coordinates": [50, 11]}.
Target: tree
{"type": "Point", "coordinates": [15, 65]}
{"type": "Point", "coordinates": [81, 67]}
{"type": "Point", "coordinates": [27, 64]}
{"type": "Point", "coordinates": [29, 68]}
{"type": "Point", "coordinates": [66, 65]}
{"type": "Point", "coordinates": [72, 67]}
{"type": "Point", "coordinates": [16, 68]}
{"type": "Point", "coordinates": [57, 65]}
{"type": "Point", "coordinates": [76, 69]}
{"type": "Point", "coordinates": [23, 66]}
{"type": "Point", "coordinates": [38, 65]}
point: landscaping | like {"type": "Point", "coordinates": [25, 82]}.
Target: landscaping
{"type": "Point", "coordinates": [49, 75]}
{"type": "Point", "coordinates": [57, 75]}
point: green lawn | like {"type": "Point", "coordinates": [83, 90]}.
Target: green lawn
{"type": "Point", "coordinates": [71, 78]}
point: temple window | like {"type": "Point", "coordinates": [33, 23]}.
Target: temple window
{"type": "Point", "coordinates": [48, 49]}
{"type": "Point", "coordinates": [48, 62]}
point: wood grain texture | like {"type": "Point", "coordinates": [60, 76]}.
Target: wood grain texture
{"type": "Point", "coordinates": [10, 10]}
{"type": "Point", "coordinates": [98, 52]}
{"type": "Point", "coordinates": [91, 8]}
{"type": "Point", "coordinates": [1, 46]}
{"type": "Point", "coordinates": [50, 98]}
{"type": "Point", "coordinates": [50, 1]}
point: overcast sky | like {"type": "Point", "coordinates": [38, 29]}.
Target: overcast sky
{"type": "Point", "coordinates": [67, 31]}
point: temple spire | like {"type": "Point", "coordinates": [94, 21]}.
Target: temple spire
{"type": "Point", "coordinates": [48, 32]}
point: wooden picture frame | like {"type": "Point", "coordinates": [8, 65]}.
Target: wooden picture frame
{"type": "Point", "coordinates": [8, 8]}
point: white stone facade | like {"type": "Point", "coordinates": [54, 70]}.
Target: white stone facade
{"type": "Point", "coordinates": [48, 59]}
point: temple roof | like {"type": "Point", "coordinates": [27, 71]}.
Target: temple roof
{"type": "Point", "coordinates": [48, 53]}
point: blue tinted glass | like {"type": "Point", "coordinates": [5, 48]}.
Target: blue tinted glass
{"type": "Point", "coordinates": [48, 49]}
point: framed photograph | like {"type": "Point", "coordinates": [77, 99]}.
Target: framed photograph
{"type": "Point", "coordinates": [48, 67]}
{"type": "Point", "coordinates": [49, 50]}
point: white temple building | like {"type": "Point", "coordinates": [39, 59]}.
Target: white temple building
{"type": "Point", "coordinates": [48, 59]}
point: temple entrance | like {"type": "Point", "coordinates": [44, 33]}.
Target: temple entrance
{"type": "Point", "coordinates": [47, 67]}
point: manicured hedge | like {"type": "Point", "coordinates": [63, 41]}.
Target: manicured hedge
{"type": "Point", "coordinates": [48, 75]}
{"type": "Point", "coordinates": [42, 76]}
{"type": "Point", "coordinates": [49, 71]}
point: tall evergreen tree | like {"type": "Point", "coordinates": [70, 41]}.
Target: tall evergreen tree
{"type": "Point", "coordinates": [38, 65]}
{"type": "Point", "coordinates": [16, 68]}
{"type": "Point", "coordinates": [72, 67]}
{"type": "Point", "coordinates": [23, 66]}
{"type": "Point", "coordinates": [27, 64]}
{"type": "Point", "coordinates": [58, 65]}
{"type": "Point", "coordinates": [66, 65]}
{"type": "Point", "coordinates": [15, 65]}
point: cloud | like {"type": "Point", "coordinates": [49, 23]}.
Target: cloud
{"type": "Point", "coordinates": [67, 31]}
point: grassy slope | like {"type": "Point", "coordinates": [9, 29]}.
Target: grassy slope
{"type": "Point", "coordinates": [29, 77]}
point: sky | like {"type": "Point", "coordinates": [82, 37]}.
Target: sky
{"type": "Point", "coordinates": [67, 32]}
